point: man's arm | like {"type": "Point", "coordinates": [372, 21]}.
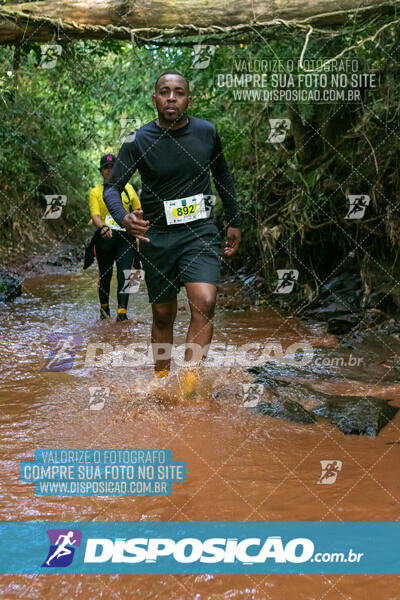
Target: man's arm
{"type": "Point", "coordinates": [224, 183]}
{"type": "Point", "coordinates": [122, 171]}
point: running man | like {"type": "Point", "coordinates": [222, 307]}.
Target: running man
{"type": "Point", "coordinates": [179, 244]}
{"type": "Point", "coordinates": [111, 243]}
{"type": "Point", "coordinates": [62, 549]}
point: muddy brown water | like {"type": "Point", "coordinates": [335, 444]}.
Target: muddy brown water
{"type": "Point", "coordinates": [240, 466]}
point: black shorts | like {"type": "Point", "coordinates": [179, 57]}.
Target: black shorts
{"type": "Point", "coordinates": [180, 255]}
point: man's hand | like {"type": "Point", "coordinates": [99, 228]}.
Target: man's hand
{"type": "Point", "coordinates": [233, 237]}
{"type": "Point", "coordinates": [105, 232]}
{"type": "Point", "coordinates": [134, 224]}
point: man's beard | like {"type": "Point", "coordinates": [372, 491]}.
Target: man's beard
{"type": "Point", "coordinates": [172, 118]}
{"type": "Point", "coordinates": [175, 118]}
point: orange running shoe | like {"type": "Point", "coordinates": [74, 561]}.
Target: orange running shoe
{"type": "Point", "coordinates": [162, 374]}
{"type": "Point", "coordinates": [188, 381]}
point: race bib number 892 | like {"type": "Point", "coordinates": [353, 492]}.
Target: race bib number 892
{"type": "Point", "coordinates": [184, 210]}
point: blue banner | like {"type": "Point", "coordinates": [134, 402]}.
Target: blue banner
{"type": "Point", "coordinates": [226, 548]}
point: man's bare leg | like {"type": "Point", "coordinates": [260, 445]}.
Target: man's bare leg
{"type": "Point", "coordinates": [162, 332]}
{"type": "Point", "coordinates": [202, 298]}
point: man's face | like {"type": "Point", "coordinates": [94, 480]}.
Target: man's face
{"type": "Point", "coordinates": [171, 98]}
{"type": "Point", "coordinates": [105, 171]}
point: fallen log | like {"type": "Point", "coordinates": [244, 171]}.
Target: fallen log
{"type": "Point", "coordinates": [148, 19]}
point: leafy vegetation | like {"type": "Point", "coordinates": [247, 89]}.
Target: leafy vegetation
{"type": "Point", "coordinates": [55, 123]}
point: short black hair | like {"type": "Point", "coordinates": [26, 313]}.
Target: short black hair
{"type": "Point", "coordinates": [170, 73]}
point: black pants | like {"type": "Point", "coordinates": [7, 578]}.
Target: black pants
{"type": "Point", "coordinates": [121, 248]}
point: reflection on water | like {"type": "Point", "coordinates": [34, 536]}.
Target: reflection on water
{"type": "Point", "coordinates": [240, 466]}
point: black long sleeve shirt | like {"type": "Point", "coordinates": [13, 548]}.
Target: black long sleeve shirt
{"type": "Point", "coordinates": [172, 164]}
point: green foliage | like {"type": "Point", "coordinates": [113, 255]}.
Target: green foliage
{"type": "Point", "coordinates": [55, 123]}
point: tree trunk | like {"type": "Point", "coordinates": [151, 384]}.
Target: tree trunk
{"type": "Point", "coordinates": [87, 19]}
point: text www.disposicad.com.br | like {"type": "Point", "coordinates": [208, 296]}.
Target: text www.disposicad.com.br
{"type": "Point", "coordinates": [287, 95]}
{"type": "Point", "coordinates": [101, 487]}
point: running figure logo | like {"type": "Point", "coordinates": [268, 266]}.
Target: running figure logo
{"type": "Point", "coordinates": [98, 397]}
{"type": "Point", "coordinates": [50, 54]}
{"type": "Point", "coordinates": [209, 203]}
{"type": "Point", "coordinates": [286, 280]}
{"type": "Point", "coordinates": [63, 347]}
{"type": "Point", "coordinates": [329, 471]}
{"type": "Point", "coordinates": [54, 206]}
{"type": "Point", "coordinates": [61, 551]}
{"type": "Point", "coordinates": [279, 128]}
{"type": "Point", "coordinates": [357, 206]}
{"type": "Point", "coordinates": [202, 56]}
{"type": "Point", "coordinates": [132, 280]}
{"type": "Point", "coordinates": [252, 393]}
{"type": "Point", "coordinates": [128, 125]}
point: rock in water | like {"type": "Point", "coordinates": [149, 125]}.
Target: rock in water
{"type": "Point", "coordinates": [10, 286]}
{"type": "Point", "coordinates": [286, 409]}
{"type": "Point", "coordinates": [357, 415]}
{"type": "Point", "coordinates": [266, 374]}
{"type": "Point", "coordinates": [342, 324]}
